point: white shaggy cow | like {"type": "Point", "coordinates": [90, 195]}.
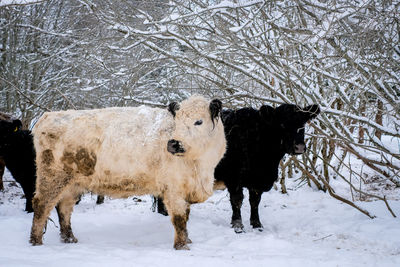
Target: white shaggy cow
{"type": "Point", "coordinates": [122, 152]}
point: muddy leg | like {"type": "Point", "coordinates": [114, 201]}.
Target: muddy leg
{"type": "Point", "coordinates": [42, 208]}
{"type": "Point", "coordinates": [64, 211]}
{"type": "Point", "coordinates": [255, 197]}
{"type": "Point", "coordinates": [236, 198]}
{"type": "Point", "coordinates": [179, 221]}
{"type": "Point", "coordinates": [46, 197]}
{"type": "Point", "coordinates": [179, 210]}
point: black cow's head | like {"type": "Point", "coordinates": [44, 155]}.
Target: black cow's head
{"type": "Point", "coordinates": [289, 121]}
{"type": "Point", "coordinates": [8, 128]}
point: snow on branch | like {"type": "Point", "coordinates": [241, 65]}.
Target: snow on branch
{"type": "Point", "coordinates": [4, 3]}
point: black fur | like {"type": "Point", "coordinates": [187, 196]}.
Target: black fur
{"type": "Point", "coordinates": [215, 109]}
{"type": "Point", "coordinates": [173, 107]}
{"type": "Point", "coordinates": [256, 142]}
{"type": "Point", "coordinates": [18, 152]}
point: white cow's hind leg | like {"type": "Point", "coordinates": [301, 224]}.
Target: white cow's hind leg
{"type": "Point", "coordinates": [64, 211]}
{"type": "Point", "coordinates": [49, 189]}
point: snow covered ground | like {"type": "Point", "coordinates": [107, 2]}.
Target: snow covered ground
{"type": "Point", "coordinates": [303, 228]}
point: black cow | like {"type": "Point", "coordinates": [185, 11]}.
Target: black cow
{"type": "Point", "coordinates": [3, 117]}
{"type": "Point", "coordinates": [256, 142]}
{"type": "Point", "coordinates": [18, 152]}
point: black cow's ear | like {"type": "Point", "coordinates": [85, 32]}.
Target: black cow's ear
{"type": "Point", "coordinates": [267, 112]}
{"type": "Point", "coordinates": [311, 111]}
{"type": "Point", "coordinates": [268, 115]}
{"type": "Point", "coordinates": [215, 108]}
{"type": "Point", "coordinates": [173, 107]}
{"type": "Point", "coordinates": [16, 125]}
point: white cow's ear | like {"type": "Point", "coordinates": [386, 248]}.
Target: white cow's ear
{"type": "Point", "coordinates": [173, 107]}
{"type": "Point", "coordinates": [215, 108]}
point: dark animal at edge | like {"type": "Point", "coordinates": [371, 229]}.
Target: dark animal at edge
{"type": "Point", "coordinates": [3, 117]}
{"type": "Point", "coordinates": [2, 167]}
{"type": "Point", "coordinates": [256, 142]}
{"type": "Point", "coordinates": [18, 155]}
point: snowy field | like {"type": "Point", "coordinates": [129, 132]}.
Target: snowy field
{"type": "Point", "coordinates": [303, 228]}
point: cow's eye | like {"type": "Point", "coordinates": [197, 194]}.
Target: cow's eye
{"type": "Point", "coordinates": [199, 122]}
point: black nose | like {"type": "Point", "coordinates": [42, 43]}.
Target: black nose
{"type": "Point", "coordinates": [175, 147]}
{"type": "Point", "coordinates": [299, 148]}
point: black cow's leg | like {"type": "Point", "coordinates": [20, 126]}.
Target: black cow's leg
{"type": "Point", "coordinates": [158, 205]}
{"type": "Point", "coordinates": [100, 199]}
{"type": "Point", "coordinates": [28, 205]}
{"type": "Point", "coordinates": [236, 198]}
{"type": "Point", "coordinates": [255, 197]}
{"type": "Point", "coordinates": [28, 187]}
{"type": "Point", "coordinates": [161, 207]}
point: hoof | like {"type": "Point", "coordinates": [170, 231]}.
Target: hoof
{"type": "Point", "coordinates": [238, 230]}
{"type": "Point", "coordinates": [181, 246]}
{"type": "Point", "coordinates": [35, 242]}
{"type": "Point", "coordinates": [238, 226]}
{"type": "Point", "coordinates": [69, 239]}
{"type": "Point", "coordinates": [258, 226]}
{"type": "Point", "coordinates": [188, 241]}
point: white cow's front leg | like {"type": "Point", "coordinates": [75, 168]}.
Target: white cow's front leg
{"type": "Point", "coordinates": [179, 210]}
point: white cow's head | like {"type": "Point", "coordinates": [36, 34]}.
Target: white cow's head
{"type": "Point", "coordinates": [197, 124]}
